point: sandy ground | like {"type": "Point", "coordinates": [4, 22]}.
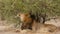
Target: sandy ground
{"type": "Point", "coordinates": [9, 30]}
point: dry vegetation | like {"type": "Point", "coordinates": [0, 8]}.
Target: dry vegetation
{"type": "Point", "coordinates": [9, 24]}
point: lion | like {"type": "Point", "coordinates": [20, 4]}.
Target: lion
{"type": "Point", "coordinates": [29, 22]}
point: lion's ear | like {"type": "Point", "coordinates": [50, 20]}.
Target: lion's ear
{"type": "Point", "coordinates": [27, 14]}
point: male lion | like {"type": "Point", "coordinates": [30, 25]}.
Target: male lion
{"type": "Point", "coordinates": [29, 22]}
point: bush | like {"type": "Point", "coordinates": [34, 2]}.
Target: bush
{"type": "Point", "coordinates": [10, 8]}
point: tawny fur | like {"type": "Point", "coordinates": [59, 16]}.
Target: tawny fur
{"type": "Point", "coordinates": [30, 23]}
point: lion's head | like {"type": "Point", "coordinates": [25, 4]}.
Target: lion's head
{"type": "Point", "coordinates": [26, 20]}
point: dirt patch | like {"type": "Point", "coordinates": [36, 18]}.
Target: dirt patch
{"type": "Point", "coordinates": [10, 30]}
